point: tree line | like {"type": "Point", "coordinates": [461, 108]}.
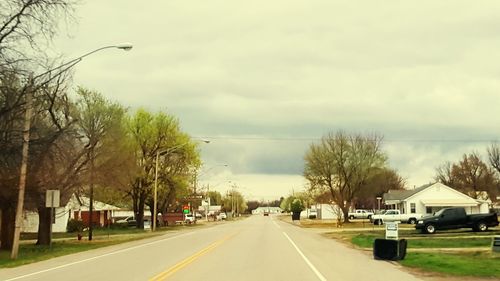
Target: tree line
{"type": "Point", "coordinates": [351, 170]}
{"type": "Point", "coordinates": [78, 141]}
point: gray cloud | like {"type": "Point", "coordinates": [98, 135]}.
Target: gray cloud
{"type": "Point", "coordinates": [423, 74]}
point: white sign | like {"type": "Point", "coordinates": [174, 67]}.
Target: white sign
{"type": "Point", "coordinates": [391, 230]}
{"type": "Point", "coordinates": [52, 198]}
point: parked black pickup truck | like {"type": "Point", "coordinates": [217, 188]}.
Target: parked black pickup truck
{"type": "Point", "coordinates": [452, 218]}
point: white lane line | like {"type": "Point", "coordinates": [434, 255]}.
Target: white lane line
{"type": "Point", "coordinates": [318, 274]}
{"type": "Point", "coordinates": [98, 257]}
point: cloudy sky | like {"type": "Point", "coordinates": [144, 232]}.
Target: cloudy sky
{"type": "Point", "coordinates": [264, 79]}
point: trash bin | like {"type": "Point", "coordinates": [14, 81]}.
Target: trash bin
{"type": "Point", "coordinates": [389, 249]}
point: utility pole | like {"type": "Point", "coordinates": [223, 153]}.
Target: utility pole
{"type": "Point", "coordinates": [24, 168]}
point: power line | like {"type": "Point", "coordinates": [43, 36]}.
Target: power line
{"type": "Point", "coordinates": [395, 140]}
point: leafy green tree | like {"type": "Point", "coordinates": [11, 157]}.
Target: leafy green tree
{"type": "Point", "coordinates": [342, 165]}
{"type": "Point", "coordinates": [101, 126]}
{"type": "Point", "coordinates": [160, 133]}
{"type": "Point", "coordinates": [286, 204]}
{"type": "Point", "coordinates": [234, 202]}
{"type": "Point", "coordinates": [215, 197]}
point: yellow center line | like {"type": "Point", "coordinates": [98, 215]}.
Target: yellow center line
{"type": "Point", "coordinates": [163, 275]}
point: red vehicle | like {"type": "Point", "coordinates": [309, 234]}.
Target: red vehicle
{"type": "Point", "coordinates": [173, 218]}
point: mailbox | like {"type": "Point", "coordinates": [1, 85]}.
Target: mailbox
{"type": "Point", "coordinates": [495, 244]}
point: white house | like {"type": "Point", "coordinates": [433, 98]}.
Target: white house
{"type": "Point", "coordinates": [30, 220]}
{"type": "Point", "coordinates": [76, 208]}
{"type": "Point", "coordinates": [432, 197]}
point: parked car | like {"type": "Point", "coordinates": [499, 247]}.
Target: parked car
{"type": "Point", "coordinates": [395, 215]}
{"type": "Point", "coordinates": [453, 218]}
{"type": "Point", "coordinates": [221, 216]}
{"type": "Point", "coordinates": [198, 216]}
{"type": "Point", "coordinates": [266, 213]}
{"type": "Point", "coordinates": [360, 214]}
{"type": "Point", "coordinates": [189, 218]}
{"type": "Point", "coordinates": [129, 221]}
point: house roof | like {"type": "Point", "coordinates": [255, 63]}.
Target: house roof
{"type": "Point", "coordinates": [403, 194]}
{"type": "Point", "coordinates": [267, 209]}
{"type": "Point", "coordinates": [396, 196]}
{"type": "Point", "coordinates": [83, 202]}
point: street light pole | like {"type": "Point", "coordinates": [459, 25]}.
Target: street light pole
{"type": "Point", "coordinates": [155, 191]}
{"type": "Point", "coordinates": [30, 90]}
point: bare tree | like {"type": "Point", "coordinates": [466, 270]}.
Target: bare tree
{"type": "Point", "coordinates": [470, 175]}
{"type": "Point", "coordinates": [494, 156]}
{"type": "Point", "coordinates": [444, 175]}
{"type": "Point", "coordinates": [342, 165]}
{"type": "Point", "coordinates": [27, 26]}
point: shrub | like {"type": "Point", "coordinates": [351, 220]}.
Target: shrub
{"type": "Point", "coordinates": [296, 206]}
{"type": "Point", "coordinates": [74, 226]}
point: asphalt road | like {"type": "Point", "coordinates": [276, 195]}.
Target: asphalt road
{"type": "Point", "coordinates": [257, 248]}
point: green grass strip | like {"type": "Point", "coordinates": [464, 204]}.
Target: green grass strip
{"type": "Point", "coordinates": [473, 264]}
{"type": "Point", "coordinates": [366, 241]}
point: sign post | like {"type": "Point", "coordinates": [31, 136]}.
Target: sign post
{"type": "Point", "coordinates": [391, 230]}
{"type": "Point", "coordinates": [52, 198]}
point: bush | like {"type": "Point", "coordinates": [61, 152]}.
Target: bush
{"type": "Point", "coordinates": [119, 225]}
{"type": "Point", "coordinates": [296, 206]}
{"type": "Point", "coordinates": [74, 226]}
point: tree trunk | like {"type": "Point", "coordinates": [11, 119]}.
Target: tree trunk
{"type": "Point", "coordinates": [7, 229]}
{"type": "Point", "coordinates": [152, 212]}
{"type": "Point", "coordinates": [44, 221]}
{"type": "Point", "coordinates": [140, 214]}
{"type": "Point", "coordinates": [345, 213]}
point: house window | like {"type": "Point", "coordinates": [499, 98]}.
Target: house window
{"type": "Point", "coordinates": [428, 210]}
{"type": "Point", "coordinates": [413, 208]}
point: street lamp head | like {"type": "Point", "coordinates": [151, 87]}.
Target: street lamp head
{"type": "Point", "coordinates": [125, 46]}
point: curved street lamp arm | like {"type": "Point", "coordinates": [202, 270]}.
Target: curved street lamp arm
{"type": "Point", "coordinates": [67, 65]}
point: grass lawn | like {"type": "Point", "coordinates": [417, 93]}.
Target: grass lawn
{"type": "Point", "coordinates": [463, 263]}
{"type": "Point", "coordinates": [29, 253]}
{"type": "Point", "coordinates": [475, 264]}
{"type": "Point", "coordinates": [96, 232]}
{"type": "Point", "coordinates": [366, 241]}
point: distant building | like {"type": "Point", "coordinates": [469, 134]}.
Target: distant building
{"type": "Point", "coordinates": [212, 210]}
{"type": "Point", "coordinates": [270, 210]}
